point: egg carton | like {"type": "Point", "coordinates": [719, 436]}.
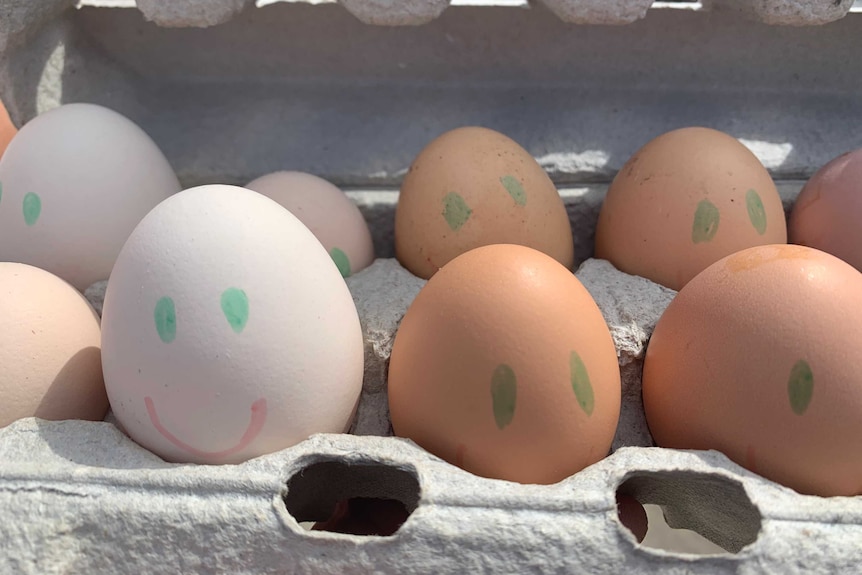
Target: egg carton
{"type": "Point", "coordinates": [204, 13]}
{"type": "Point", "coordinates": [605, 12]}
{"type": "Point", "coordinates": [312, 88]}
{"type": "Point", "coordinates": [100, 500]}
{"type": "Point", "coordinates": [81, 497]}
{"type": "Point", "coordinates": [307, 86]}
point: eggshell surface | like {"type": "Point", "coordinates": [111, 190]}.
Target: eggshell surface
{"type": "Point", "coordinates": [49, 349]}
{"type": "Point", "coordinates": [74, 182]}
{"type": "Point", "coordinates": [504, 366]}
{"type": "Point", "coordinates": [682, 202]}
{"type": "Point", "coordinates": [758, 357]}
{"type": "Point", "coordinates": [472, 187]}
{"type": "Point", "coordinates": [228, 332]}
{"type": "Point", "coordinates": [828, 211]}
{"type": "Point", "coordinates": [7, 129]}
{"type": "Point", "coordinates": [324, 209]}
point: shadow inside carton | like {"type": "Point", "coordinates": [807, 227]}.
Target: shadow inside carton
{"type": "Point", "coordinates": [366, 499]}
{"type": "Point", "coordinates": [583, 204]}
{"type": "Point", "coordinates": [96, 444]}
{"type": "Point", "coordinates": [710, 505]}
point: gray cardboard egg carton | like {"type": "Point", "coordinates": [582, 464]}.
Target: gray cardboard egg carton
{"type": "Point", "coordinates": [230, 91]}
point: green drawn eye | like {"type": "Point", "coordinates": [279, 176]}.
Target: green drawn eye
{"type": "Point", "coordinates": [515, 189]}
{"type": "Point", "coordinates": [456, 212]}
{"type": "Point", "coordinates": [705, 224]}
{"type": "Point", "coordinates": [800, 387]}
{"type": "Point", "coordinates": [166, 319]}
{"type": "Point", "coordinates": [341, 260]}
{"type": "Point", "coordinates": [504, 391]}
{"type": "Point", "coordinates": [581, 383]}
{"type": "Point", "coordinates": [32, 208]}
{"type": "Point", "coordinates": [234, 304]}
{"type": "Point", "coordinates": [756, 211]}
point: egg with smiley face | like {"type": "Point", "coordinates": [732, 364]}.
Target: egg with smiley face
{"type": "Point", "coordinates": [228, 331]}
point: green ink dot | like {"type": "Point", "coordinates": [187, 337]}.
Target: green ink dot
{"type": "Point", "coordinates": [455, 211]}
{"type": "Point", "coordinates": [581, 383]}
{"type": "Point", "coordinates": [234, 304]}
{"type": "Point", "coordinates": [515, 189]}
{"type": "Point", "coordinates": [800, 386]}
{"type": "Point", "coordinates": [504, 389]}
{"type": "Point", "coordinates": [32, 208]}
{"type": "Point", "coordinates": [166, 319]}
{"type": "Point", "coordinates": [340, 259]}
{"type": "Point", "coordinates": [756, 213]}
{"type": "Point", "coordinates": [705, 222]}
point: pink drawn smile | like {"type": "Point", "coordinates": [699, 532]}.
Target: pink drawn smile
{"type": "Point", "coordinates": [258, 416]}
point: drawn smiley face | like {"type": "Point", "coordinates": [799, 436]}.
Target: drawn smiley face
{"type": "Point", "coordinates": [235, 308]}
{"type": "Point", "coordinates": [211, 418]}
{"type": "Point", "coordinates": [227, 333]}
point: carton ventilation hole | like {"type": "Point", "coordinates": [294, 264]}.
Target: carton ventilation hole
{"type": "Point", "coordinates": [689, 512]}
{"type": "Point", "coordinates": [356, 499]}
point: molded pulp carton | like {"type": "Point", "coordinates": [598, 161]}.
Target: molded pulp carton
{"type": "Point", "coordinates": [352, 91]}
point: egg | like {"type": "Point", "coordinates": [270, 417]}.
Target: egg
{"type": "Point", "coordinates": [227, 332]}
{"type": "Point", "coordinates": [74, 182]}
{"type": "Point", "coordinates": [7, 129]}
{"type": "Point", "coordinates": [472, 187]}
{"type": "Point", "coordinates": [758, 357]}
{"type": "Point", "coordinates": [828, 210]}
{"type": "Point", "coordinates": [324, 209]}
{"type": "Point", "coordinates": [504, 366]}
{"type": "Point", "coordinates": [682, 202]}
{"type": "Point", "coordinates": [49, 349]}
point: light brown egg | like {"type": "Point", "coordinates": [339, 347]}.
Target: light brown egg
{"type": "Point", "coordinates": [828, 212]}
{"type": "Point", "coordinates": [473, 187]}
{"type": "Point", "coordinates": [50, 349]}
{"type": "Point", "coordinates": [758, 357]}
{"type": "Point", "coordinates": [682, 202]}
{"type": "Point", "coordinates": [7, 129]}
{"type": "Point", "coordinates": [504, 366]}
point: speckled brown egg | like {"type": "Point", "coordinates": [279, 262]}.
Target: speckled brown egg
{"type": "Point", "coordinates": [473, 187]}
{"type": "Point", "coordinates": [682, 202]}
{"type": "Point", "coordinates": [504, 366]}
{"type": "Point", "coordinates": [828, 212]}
{"type": "Point", "coordinates": [758, 357]}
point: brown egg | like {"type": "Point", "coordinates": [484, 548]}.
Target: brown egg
{"type": "Point", "coordinates": [758, 357]}
{"type": "Point", "coordinates": [50, 349]}
{"type": "Point", "coordinates": [473, 187]}
{"type": "Point", "coordinates": [682, 202]}
{"type": "Point", "coordinates": [504, 366]}
{"type": "Point", "coordinates": [828, 211]}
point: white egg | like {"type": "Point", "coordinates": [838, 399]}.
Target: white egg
{"type": "Point", "coordinates": [227, 332]}
{"type": "Point", "coordinates": [74, 182]}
